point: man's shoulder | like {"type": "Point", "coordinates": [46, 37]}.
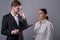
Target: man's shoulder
{"type": "Point", "coordinates": [7, 15]}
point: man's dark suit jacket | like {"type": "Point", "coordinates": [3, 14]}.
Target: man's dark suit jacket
{"type": "Point", "coordinates": [9, 24]}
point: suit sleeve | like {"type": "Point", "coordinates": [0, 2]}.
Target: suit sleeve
{"type": "Point", "coordinates": [4, 29]}
{"type": "Point", "coordinates": [25, 24]}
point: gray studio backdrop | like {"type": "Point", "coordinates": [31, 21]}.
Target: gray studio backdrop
{"type": "Point", "coordinates": [30, 8]}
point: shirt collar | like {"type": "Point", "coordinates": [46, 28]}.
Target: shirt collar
{"type": "Point", "coordinates": [13, 14]}
{"type": "Point", "coordinates": [43, 21]}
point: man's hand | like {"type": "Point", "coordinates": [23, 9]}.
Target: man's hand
{"type": "Point", "coordinates": [15, 31]}
{"type": "Point", "coordinates": [33, 38]}
{"type": "Point", "coordinates": [21, 13]}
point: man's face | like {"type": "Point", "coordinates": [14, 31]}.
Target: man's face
{"type": "Point", "coordinates": [17, 9]}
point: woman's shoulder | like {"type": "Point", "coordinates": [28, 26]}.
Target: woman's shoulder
{"type": "Point", "coordinates": [49, 22]}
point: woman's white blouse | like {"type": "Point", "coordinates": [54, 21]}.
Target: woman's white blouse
{"type": "Point", "coordinates": [43, 31]}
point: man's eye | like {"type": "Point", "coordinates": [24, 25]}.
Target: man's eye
{"type": "Point", "coordinates": [17, 8]}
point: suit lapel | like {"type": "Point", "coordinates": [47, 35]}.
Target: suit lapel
{"type": "Point", "coordinates": [12, 18]}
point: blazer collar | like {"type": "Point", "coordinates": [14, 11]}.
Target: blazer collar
{"type": "Point", "coordinates": [13, 18]}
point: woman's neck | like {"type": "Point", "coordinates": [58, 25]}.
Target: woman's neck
{"type": "Point", "coordinates": [41, 20]}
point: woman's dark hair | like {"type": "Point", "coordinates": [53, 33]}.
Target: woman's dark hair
{"type": "Point", "coordinates": [45, 12]}
{"type": "Point", "coordinates": [15, 3]}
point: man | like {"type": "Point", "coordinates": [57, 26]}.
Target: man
{"type": "Point", "coordinates": [14, 23]}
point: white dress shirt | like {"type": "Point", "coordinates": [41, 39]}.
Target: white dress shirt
{"type": "Point", "coordinates": [43, 31]}
{"type": "Point", "coordinates": [16, 18]}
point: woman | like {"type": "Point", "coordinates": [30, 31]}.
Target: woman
{"type": "Point", "coordinates": [43, 28]}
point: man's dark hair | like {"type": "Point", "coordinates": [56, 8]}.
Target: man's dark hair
{"type": "Point", "coordinates": [15, 3]}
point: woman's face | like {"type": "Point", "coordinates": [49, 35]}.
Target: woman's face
{"type": "Point", "coordinates": [41, 15]}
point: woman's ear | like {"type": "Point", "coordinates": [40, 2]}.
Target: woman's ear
{"type": "Point", "coordinates": [46, 14]}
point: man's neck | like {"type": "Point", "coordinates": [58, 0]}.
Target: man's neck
{"type": "Point", "coordinates": [13, 13]}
